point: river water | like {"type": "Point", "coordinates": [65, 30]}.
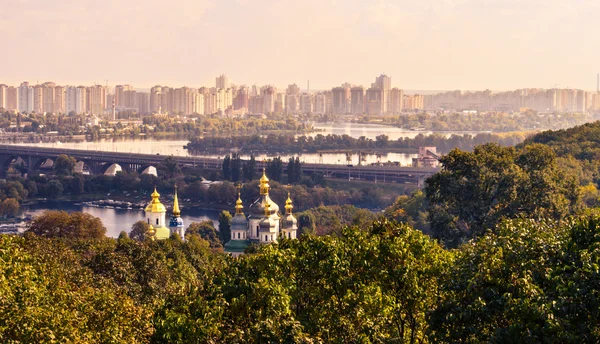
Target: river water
{"type": "Point", "coordinates": [116, 220]}
{"type": "Point", "coordinates": [174, 146]}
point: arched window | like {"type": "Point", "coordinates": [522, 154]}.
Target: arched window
{"type": "Point", "coordinates": [238, 235]}
{"type": "Point", "coordinates": [290, 235]}
{"type": "Point", "coordinates": [148, 220]}
{"type": "Point", "coordinates": [266, 238]}
{"type": "Point", "coordinates": [157, 221]}
{"type": "Point", "coordinates": [257, 227]}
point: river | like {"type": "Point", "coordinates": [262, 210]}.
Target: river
{"type": "Point", "coordinates": [174, 146]}
{"type": "Point", "coordinates": [116, 220]}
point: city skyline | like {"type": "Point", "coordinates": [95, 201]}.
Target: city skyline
{"type": "Point", "coordinates": [428, 45]}
{"type": "Point", "coordinates": [230, 99]}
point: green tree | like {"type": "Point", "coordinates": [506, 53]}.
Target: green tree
{"type": "Point", "coordinates": [306, 223]}
{"type": "Point", "coordinates": [275, 169]}
{"type": "Point", "coordinates": [9, 207]}
{"type": "Point", "coordinates": [525, 282]}
{"type": "Point", "coordinates": [64, 165]}
{"type": "Point", "coordinates": [49, 296]}
{"type": "Point", "coordinates": [139, 231]}
{"type": "Point", "coordinates": [54, 188]}
{"type": "Point", "coordinates": [236, 168]}
{"type": "Point", "coordinates": [225, 226]}
{"type": "Point", "coordinates": [249, 168]}
{"type": "Point", "coordinates": [60, 224]}
{"type": "Point", "coordinates": [77, 184]}
{"type": "Point", "coordinates": [226, 167]}
{"type": "Point", "coordinates": [410, 209]}
{"type": "Point", "coordinates": [294, 170]}
{"type": "Point", "coordinates": [205, 230]}
{"type": "Point", "coordinates": [169, 168]}
{"type": "Point", "coordinates": [381, 140]}
{"type": "Point", "coordinates": [475, 190]}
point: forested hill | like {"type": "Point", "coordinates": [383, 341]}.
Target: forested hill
{"type": "Point", "coordinates": [582, 142]}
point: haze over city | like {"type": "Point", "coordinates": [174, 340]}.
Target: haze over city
{"type": "Point", "coordinates": [425, 45]}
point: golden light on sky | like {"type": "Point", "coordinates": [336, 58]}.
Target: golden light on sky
{"type": "Point", "coordinates": [426, 44]}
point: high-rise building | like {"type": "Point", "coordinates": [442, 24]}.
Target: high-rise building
{"type": "Point", "coordinates": [96, 99]}
{"type": "Point", "coordinates": [198, 106]}
{"type": "Point", "coordinates": [373, 101]}
{"type": "Point", "coordinates": [142, 103]}
{"type": "Point", "coordinates": [59, 99]}
{"type": "Point", "coordinates": [414, 102]}
{"type": "Point", "coordinates": [38, 99]}
{"type": "Point", "coordinates": [255, 105]}
{"type": "Point", "coordinates": [320, 103]}
{"type": "Point", "coordinates": [12, 98]}
{"type": "Point", "coordinates": [3, 91]}
{"type": "Point", "coordinates": [293, 90]}
{"type": "Point", "coordinates": [269, 95]}
{"type": "Point", "coordinates": [280, 103]}
{"type": "Point", "coordinates": [25, 98]}
{"type": "Point", "coordinates": [396, 100]}
{"type": "Point", "coordinates": [222, 81]}
{"type": "Point", "coordinates": [341, 98]}
{"type": "Point", "coordinates": [156, 98]}
{"type": "Point", "coordinates": [48, 97]}
{"type": "Point", "coordinates": [384, 84]}
{"type": "Point", "coordinates": [254, 91]}
{"type": "Point", "coordinates": [292, 99]}
{"type": "Point", "coordinates": [307, 103]}
{"type": "Point", "coordinates": [240, 100]}
{"type": "Point", "coordinates": [357, 100]}
{"type": "Point", "coordinates": [75, 99]}
{"type": "Point", "coordinates": [124, 96]}
{"type": "Point", "coordinates": [166, 99]}
{"type": "Point", "coordinates": [187, 101]}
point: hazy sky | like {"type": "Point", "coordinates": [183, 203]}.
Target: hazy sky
{"type": "Point", "coordinates": [421, 44]}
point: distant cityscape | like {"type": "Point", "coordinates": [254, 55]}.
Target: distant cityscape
{"type": "Point", "coordinates": [229, 99]}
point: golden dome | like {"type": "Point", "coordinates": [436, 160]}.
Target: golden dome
{"type": "Point", "coordinates": [264, 183]}
{"type": "Point", "coordinates": [155, 206]}
{"type": "Point", "coordinates": [151, 231]}
{"type": "Point", "coordinates": [288, 205]}
{"type": "Point", "coordinates": [176, 211]}
{"type": "Point", "coordinates": [239, 208]}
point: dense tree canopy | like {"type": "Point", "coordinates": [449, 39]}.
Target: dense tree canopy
{"type": "Point", "coordinates": [527, 280]}
{"type": "Point", "coordinates": [60, 224]}
{"type": "Point", "coordinates": [64, 164]}
{"type": "Point", "coordinates": [475, 190]}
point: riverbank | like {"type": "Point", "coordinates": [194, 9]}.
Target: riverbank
{"type": "Point", "coordinates": [139, 200]}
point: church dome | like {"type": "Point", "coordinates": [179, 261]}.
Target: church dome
{"type": "Point", "coordinates": [239, 222]}
{"type": "Point", "coordinates": [257, 209]}
{"type": "Point", "coordinates": [267, 224]}
{"type": "Point", "coordinates": [155, 206]}
{"type": "Point", "coordinates": [289, 222]}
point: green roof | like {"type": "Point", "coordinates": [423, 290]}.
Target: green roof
{"type": "Point", "coordinates": [236, 245]}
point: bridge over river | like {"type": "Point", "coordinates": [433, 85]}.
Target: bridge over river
{"type": "Point", "coordinates": [98, 162]}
